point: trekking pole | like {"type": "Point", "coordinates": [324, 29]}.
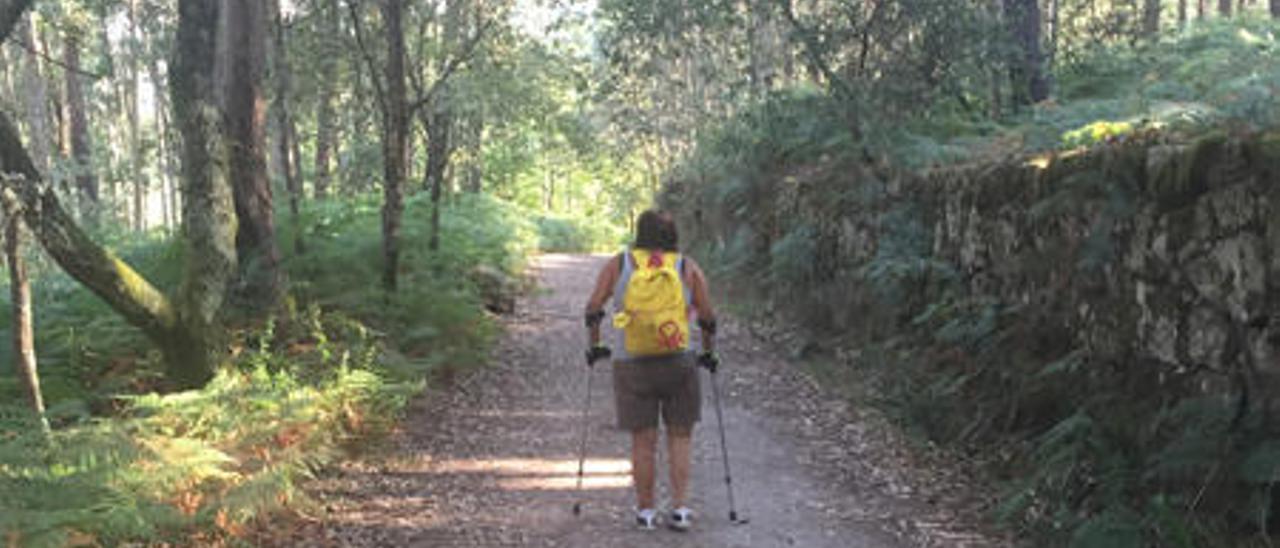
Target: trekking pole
{"type": "Point", "coordinates": [582, 449]}
{"type": "Point", "coordinates": [724, 452]}
{"type": "Point", "coordinates": [593, 355]}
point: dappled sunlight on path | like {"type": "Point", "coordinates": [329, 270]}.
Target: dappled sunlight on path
{"type": "Point", "coordinates": [493, 462]}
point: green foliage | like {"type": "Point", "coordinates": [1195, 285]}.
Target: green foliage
{"type": "Point", "coordinates": [436, 314]}
{"type": "Point", "coordinates": [204, 462]}
{"type": "Point", "coordinates": [1096, 132]}
{"type": "Point", "coordinates": [557, 233]}
{"type": "Point", "coordinates": [335, 370]}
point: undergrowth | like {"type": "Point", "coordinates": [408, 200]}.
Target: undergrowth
{"type": "Point", "coordinates": [1096, 446]}
{"type": "Point", "coordinates": [329, 372]}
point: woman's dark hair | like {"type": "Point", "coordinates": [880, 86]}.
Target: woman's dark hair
{"type": "Point", "coordinates": [656, 230]}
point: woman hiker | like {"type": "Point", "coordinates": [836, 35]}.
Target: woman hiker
{"type": "Point", "coordinates": [657, 294]}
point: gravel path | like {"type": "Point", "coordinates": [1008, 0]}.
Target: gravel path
{"type": "Point", "coordinates": [493, 462]}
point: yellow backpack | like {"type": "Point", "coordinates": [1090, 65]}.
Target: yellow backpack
{"type": "Point", "coordinates": [654, 317]}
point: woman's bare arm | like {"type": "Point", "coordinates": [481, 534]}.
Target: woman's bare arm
{"type": "Point", "coordinates": [605, 280]}
{"type": "Point", "coordinates": [702, 303]}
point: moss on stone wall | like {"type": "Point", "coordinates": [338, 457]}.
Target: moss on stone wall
{"type": "Point", "coordinates": [1131, 284]}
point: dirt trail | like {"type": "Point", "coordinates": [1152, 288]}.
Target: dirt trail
{"type": "Point", "coordinates": [493, 461]}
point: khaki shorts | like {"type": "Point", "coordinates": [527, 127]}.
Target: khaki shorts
{"type": "Point", "coordinates": [647, 388]}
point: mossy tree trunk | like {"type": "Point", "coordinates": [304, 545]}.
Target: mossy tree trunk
{"type": "Point", "coordinates": [208, 210]}
{"type": "Point", "coordinates": [188, 331]}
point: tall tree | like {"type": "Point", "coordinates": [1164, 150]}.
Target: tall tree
{"type": "Point", "coordinates": [186, 330]}
{"type": "Point", "coordinates": [35, 95]}
{"type": "Point", "coordinates": [286, 134]}
{"type": "Point", "coordinates": [134, 86]}
{"type": "Point", "coordinates": [325, 122]}
{"type": "Point", "coordinates": [393, 102]}
{"type": "Point", "coordinates": [77, 114]}
{"type": "Point", "coordinates": [208, 207]}
{"type": "Point", "coordinates": [24, 350]}
{"type": "Point", "coordinates": [243, 60]}
{"type": "Point", "coordinates": [1027, 67]}
{"type": "Point", "coordinates": [395, 141]}
{"type": "Point", "coordinates": [1150, 18]}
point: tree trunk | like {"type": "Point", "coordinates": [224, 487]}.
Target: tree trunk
{"type": "Point", "coordinates": [1224, 8]}
{"type": "Point", "coordinates": [81, 148]}
{"type": "Point", "coordinates": [1275, 9]}
{"type": "Point", "coordinates": [1026, 69]}
{"type": "Point", "coordinates": [189, 353]}
{"type": "Point", "coordinates": [438, 120]}
{"type": "Point", "coordinates": [475, 145]}
{"type": "Point", "coordinates": [208, 207]}
{"type": "Point", "coordinates": [244, 108]}
{"type": "Point", "coordinates": [1182, 13]}
{"type": "Point", "coordinates": [167, 170]}
{"type": "Point", "coordinates": [35, 96]}
{"type": "Point", "coordinates": [24, 349]}
{"type": "Point", "coordinates": [287, 142]}
{"type": "Point", "coordinates": [135, 139]}
{"type": "Point", "coordinates": [1150, 18]}
{"type": "Point", "coordinates": [324, 106]}
{"type": "Point", "coordinates": [395, 141]}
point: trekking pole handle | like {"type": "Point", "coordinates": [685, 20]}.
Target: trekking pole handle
{"type": "Point", "coordinates": [597, 353]}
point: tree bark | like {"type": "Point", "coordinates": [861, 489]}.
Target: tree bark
{"type": "Point", "coordinates": [287, 142]}
{"type": "Point", "coordinates": [111, 279]}
{"type": "Point", "coordinates": [244, 109]}
{"type": "Point", "coordinates": [81, 147]}
{"type": "Point", "coordinates": [1224, 8]}
{"type": "Point", "coordinates": [35, 96]}
{"type": "Point", "coordinates": [1026, 69]}
{"type": "Point", "coordinates": [1150, 18]}
{"type": "Point", "coordinates": [189, 353]}
{"type": "Point", "coordinates": [1182, 13]}
{"type": "Point", "coordinates": [475, 146]}
{"type": "Point", "coordinates": [208, 208]}
{"type": "Point", "coordinates": [395, 141]}
{"type": "Point", "coordinates": [438, 121]}
{"type": "Point", "coordinates": [135, 138]}
{"type": "Point", "coordinates": [24, 349]}
{"type": "Point", "coordinates": [324, 106]}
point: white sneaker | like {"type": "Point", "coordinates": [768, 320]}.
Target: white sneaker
{"type": "Point", "coordinates": [647, 519]}
{"type": "Point", "coordinates": [681, 519]}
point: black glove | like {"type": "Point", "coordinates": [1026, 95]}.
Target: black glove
{"type": "Point", "coordinates": [597, 353]}
{"type": "Point", "coordinates": [709, 360]}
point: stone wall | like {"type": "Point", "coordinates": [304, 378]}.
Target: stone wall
{"type": "Point", "coordinates": [1147, 251]}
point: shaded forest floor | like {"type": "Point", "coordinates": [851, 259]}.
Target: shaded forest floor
{"type": "Point", "coordinates": [491, 461]}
